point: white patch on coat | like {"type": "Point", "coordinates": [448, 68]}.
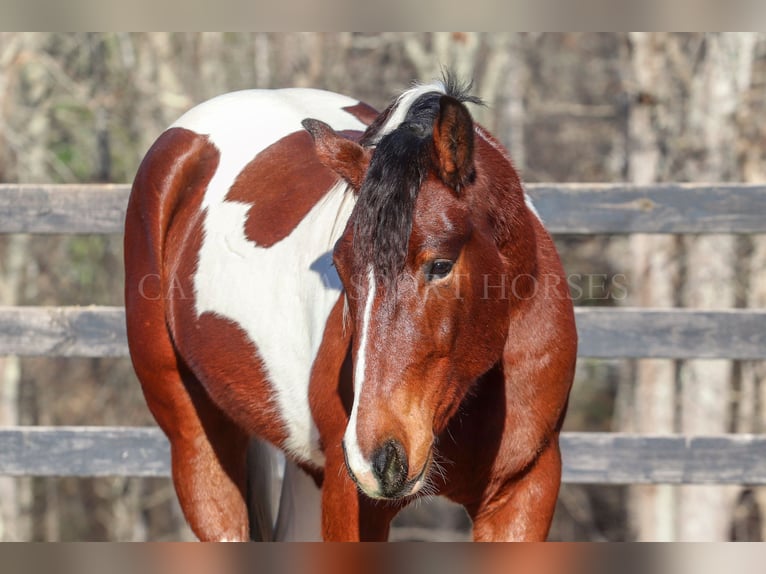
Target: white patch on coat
{"type": "Point", "coordinates": [281, 296]}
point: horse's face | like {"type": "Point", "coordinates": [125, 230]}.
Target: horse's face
{"type": "Point", "coordinates": [419, 294]}
{"type": "Point", "coordinates": [421, 339]}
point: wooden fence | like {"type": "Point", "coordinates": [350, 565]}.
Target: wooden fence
{"type": "Point", "coordinates": [582, 209]}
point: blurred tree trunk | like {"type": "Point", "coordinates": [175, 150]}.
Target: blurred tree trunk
{"type": "Point", "coordinates": [510, 116]}
{"type": "Point", "coordinates": [34, 164]}
{"type": "Point", "coordinates": [15, 493]}
{"type": "Point", "coordinates": [717, 88]}
{"type": "Point", "coordinates": [685, 93]}
{"type": "Point", "coordinates": [655, 271]}
{"type": "Point", "coordinates": [753, 374]}
{"type": "Point", "coordinates": [751, 411]}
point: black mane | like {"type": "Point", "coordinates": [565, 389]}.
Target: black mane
{"type": "Point", "coordinates": [399, 165]}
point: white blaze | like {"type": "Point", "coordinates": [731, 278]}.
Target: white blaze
{"type": "Point", "coordinates": [356, 460]}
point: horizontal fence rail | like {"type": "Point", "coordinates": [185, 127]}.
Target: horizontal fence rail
{"type": "Point", "coordinates": [592, 458]}
{"type": "Point", "coordinates": [566, 208]}
{"type": "Point", "coordinates": [63, 332]}
{"type": "Point", "coordinates": [616, 458]}
{"type": "Point", "coordinates": [583, 208]}
{"type": "Point", "coordinates": [70, 209]}
{"type": "Point", "coordinates": [604, 332]}
{"type": "Point", "coordinates": [84, 451]}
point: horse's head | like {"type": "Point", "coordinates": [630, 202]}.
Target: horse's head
{"type": "Point", "coordinates": [423, 262]}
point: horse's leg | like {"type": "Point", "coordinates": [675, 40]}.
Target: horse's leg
{"type": "Point", "coordinates": [375, 519]}
{"type": "Point", "coordinates": [522, 510]}
{"type": "Point", "coordinates": [340, 501]}
{"type": "Point", "coordinates": [210, 472]}
{"type": "Point", "coordinates": [348, 515]}
{"type": "Point", "coordinates": [208, 452]}
{"type": "Point", "coordinates": [300, 507]}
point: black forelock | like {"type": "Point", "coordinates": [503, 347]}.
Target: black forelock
{"type": "Point", "coordinates": [383, 212]}
{"type": "Point", "coordinates": [400, 163]}
{"type": "Point", "coordinates": [458, 89]}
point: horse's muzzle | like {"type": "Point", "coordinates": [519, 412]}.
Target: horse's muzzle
{"type": "Point", "coordinates": [389, 466]}
{"type": "Point", "coordinates": [386, 476]}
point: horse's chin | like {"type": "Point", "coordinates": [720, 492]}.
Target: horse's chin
{"type": "Point", "coordinates": [411, 489]}
{"type": "Point", "coordinates": [401, 496]}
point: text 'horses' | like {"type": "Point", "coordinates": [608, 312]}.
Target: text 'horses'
{"type": "Point", "coordinates": [372, 294]}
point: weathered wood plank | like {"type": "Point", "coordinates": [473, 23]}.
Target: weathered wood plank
{"type": "Point", "coordinates": [609, 332]}
{"type": "Point", "coordinates": [63, 331]}
{"type": "Point", "coordinates": [566, 208]}
{"type": "Point", "coordinates": [584, 208]}
{"type": "Point", "coordinates": [32, 208]}
{"type": "Point", "coordinates": [84, 451]}
{"type": "Point", "coordinates": [592, 458]}
{"type": "Point", "coordinates": [613, 458]}
{"type": "Point", "coordinates": [605, 332]}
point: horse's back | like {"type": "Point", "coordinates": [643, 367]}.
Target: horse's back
{"type": "Point", "coordinates": [238, 219]}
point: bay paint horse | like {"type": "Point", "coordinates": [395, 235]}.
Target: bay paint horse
{"type": "Point", "coordinates": [372, 294]}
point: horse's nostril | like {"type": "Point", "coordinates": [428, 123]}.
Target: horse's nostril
{"type": "Point", "coordinates": [389, 465]}
{"type": "Point", "coordinates": [383, 459]}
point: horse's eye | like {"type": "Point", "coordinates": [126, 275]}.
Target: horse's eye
{"type": "Point", "coordinates": [439, 269]}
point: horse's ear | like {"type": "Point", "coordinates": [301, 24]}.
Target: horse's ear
{"type": "Point", "coordinates": [453, 143]}
{"type": "Point", "coordinates": [346, 158]}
